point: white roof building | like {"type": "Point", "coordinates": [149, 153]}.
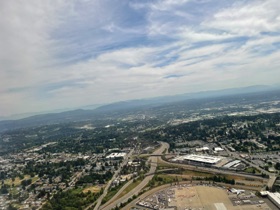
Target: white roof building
{"type": "Point", "coordinates": [199, 159]}
{"type": "Point", "coordinates": [231, 164]}
{"type": "Point", "coordinates": [116, 155]}
{"type": "Point", "coordinates": [201, 149]}
{"type": "Point", "coordinates": [275, 198]}
{"type": "Point", "coordinates": [218, 149]}
{"type": "Point", "coordinates": [264, 193]}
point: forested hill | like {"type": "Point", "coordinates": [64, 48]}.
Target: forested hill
{"type": "Point", "coordinates": [167, 103]}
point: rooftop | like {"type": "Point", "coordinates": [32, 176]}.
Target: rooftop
{"type": "Point", "coordinates": [200, 158]}
{"type": "Point", "coordinates": [275, 196]}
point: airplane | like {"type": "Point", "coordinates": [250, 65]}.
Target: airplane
{"type": "Point", "coordinates": [236, 191]}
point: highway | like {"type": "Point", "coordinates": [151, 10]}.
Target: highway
{"type": "Point", "coordinates": [117, 194]}
{"type": "Point", "coordinates": [99, 200]}
{"type": "Point", "coordinates": [217, 171]}
{"type": "Point", "coordinates": [153, 160]}
{"type": "Point", "coordinates": [211, 170]}
{"type": "Point", "coordinates": [138, 188]}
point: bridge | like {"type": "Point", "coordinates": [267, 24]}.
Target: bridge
{"type": "Point", "coordinates": [163, 170]}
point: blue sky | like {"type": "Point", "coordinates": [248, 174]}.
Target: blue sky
{"type": "Point", "coordinates": [63, 54]}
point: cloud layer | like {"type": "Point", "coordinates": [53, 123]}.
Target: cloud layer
{"type": "Point", "coordinates": [65, 54]}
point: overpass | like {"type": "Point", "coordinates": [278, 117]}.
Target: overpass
{"type": "Point", "coordinates": [212, 170]}
{"type": "Point", "coordinates": [163, 170]}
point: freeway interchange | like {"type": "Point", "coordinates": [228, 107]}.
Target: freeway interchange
{"type": "Point", "coordinates": [154, 159]}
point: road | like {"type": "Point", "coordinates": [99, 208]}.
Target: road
{"type": "Point", "coordinates": [237, 156]}
{"type": "Point", "coordinates": [272, 176]}
{"type": "Point", "coordinates": [211, 170]}
{"type": "Point", "coordinates": [138, 188]}
{"type": "Point", "coordinates": [154, 162]}
{"type": "Point", "coordinates": [117, 194]}
{"type": "Point", "coordinates": [99, 200]}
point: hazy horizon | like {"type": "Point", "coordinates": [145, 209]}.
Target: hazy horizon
{"type": "Point", "coordinates": [192, 95]}
{"type": "Point", "coordinates": [59, 55]}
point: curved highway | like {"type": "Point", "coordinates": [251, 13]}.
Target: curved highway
{"type": "Point", "coordinates": [99, 200]}
{"type": "Point", "coordinates": [153, 159]}
{"type": "Point", "coordinates": [154, 162]}
{"type": "Point", "coordinates": [211, 170]}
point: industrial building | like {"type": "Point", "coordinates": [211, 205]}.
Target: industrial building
{"type": "Point", "coordinates": [116, 155]}
{"type": "Point", "coordinates": [202, 149]}
{"type": "Point", "coordinates": [275, 198]}
{"type": "Point", "coordinates": [198, 159]}
{"type": "Point", "coordinates": [232, 164]}
{"type": "Point", "coordinates": [218, 149]}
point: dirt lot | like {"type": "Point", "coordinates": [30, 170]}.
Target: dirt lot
{"type": "Point", "coordinates": [93, 189]}
{"type": "Point", "coordinates": [207, 198]}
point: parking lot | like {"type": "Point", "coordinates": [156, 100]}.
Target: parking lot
{"type": "Point", "coordinates": [202, 197]}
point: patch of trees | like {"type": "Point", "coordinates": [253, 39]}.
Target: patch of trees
{"type": "Point", "coordinates": [72, 199]}
{"type": "Point", "coordinates": [53, 169]}
{"type": "Point", "coordinates": [223, 179]}
{"type": "Point", "coordinates": [95, 177]}
{"type": "Point", "coordinates": [222, 128]}
{"type": "Point", "coordinates": [277, 166]}
{"type": "Point", "coordinates": [26, 182]}
{"type": "Point", "coordinates": [4, 189]}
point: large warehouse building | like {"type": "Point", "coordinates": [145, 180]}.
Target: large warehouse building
{"type": "Point", "coordinates": [198, 159]}
{"type": "Point", "coordinates": [116, 155]}
{"type": "Point", "coordinates": [275, 198]}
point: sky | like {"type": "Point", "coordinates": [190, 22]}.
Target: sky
{"type": "Point", "coordinates": [64, 54]}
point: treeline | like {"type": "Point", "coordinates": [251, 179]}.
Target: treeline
{"type": "Point", "coordinates": [220, 179]}
{"type": "Point", "coordinates": [72, 199]}
{"type": "Point", "coordinates": [94, 177]}
{"type": "Point", "coordinates": [215, 179]}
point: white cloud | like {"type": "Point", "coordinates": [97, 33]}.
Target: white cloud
{"type": "Point", "coordinates": [56, 54]}
{"type": "Point", "coordinates": [248, 19]}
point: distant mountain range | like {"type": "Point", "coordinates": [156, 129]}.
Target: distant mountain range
{"type": "Point", "coordinates": [86, 114]}
{"type": "Point", "coordinates": [197, 95]}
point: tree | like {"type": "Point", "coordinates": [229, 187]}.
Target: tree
{"type": "Point", "coordinates": [10, 207]}
{"type": "Point", "coordinates": [277, 166]}
{"type": "Point", "coordinates": [4, 190]}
